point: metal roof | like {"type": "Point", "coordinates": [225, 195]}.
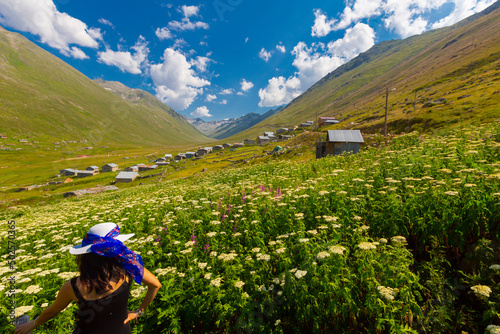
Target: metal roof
{"type": "Point", "coordinates": [345, 136]}
{"type": "Point", "coordinates": [111, 165]}
{"type": "Point", "coordinates": [127, 175]}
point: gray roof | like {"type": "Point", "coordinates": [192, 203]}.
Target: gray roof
{"type": "Point", "coordinates": [263, 138]}
{"type": "Point", "coordinates": [112, 165]}
{"type": "Point", "coordinates": [127, 175]}
{"type": "Point", "coordinates": [345, 136]}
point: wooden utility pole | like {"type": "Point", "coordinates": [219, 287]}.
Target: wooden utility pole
{"type": "Point", "coordinates": [386, 106]}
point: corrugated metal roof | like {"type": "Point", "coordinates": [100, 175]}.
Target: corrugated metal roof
{"type": "Point", "coordinates": [127, 175]}
{"type": "Point", "coordinates": [345, 136]}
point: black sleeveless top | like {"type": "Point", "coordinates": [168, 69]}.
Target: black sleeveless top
{"type": "Point", "coordinates": [104, 315]}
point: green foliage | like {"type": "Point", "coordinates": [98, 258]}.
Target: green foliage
{"type": "Point", "coordinates": [400, 238]}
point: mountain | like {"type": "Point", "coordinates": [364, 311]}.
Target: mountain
{"type": "Point", "coordinates": [42, 96]}
{"type": "Point", "coordinates": [232, 126]}
{"type": "Point", "coordinates": [452, 74]}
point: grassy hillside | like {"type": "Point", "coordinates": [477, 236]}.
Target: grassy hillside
{"type": "Point", "coordinates": [400, 238]}
{"type": "Point", "coordinates": [43, 97]}
{"type": "Point", "coordinates": [460, 63]}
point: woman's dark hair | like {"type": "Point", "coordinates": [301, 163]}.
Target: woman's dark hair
{"type": "Point", "coordinates": [96, 271]}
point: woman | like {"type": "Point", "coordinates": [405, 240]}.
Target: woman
{"type": "Point", "coordinates": [103, 287]}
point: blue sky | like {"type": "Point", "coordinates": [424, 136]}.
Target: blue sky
{"type": "Point", "coordinates": [221, 58]}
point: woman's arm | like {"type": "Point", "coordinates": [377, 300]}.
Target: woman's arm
{"type": "Point", "coordinates": [64, 297]}
{"type": "Point", "coordinates": [153, 285]}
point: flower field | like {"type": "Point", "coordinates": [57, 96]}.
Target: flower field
{"type": "Point", "coordinates": [400, 238]}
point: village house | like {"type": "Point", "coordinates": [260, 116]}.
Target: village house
{"type": "Point", "coordinates": [249, 142]}
{"type": "Point", "coordinates": [163, 163]}
{"type": "Point", "coordinates": [126, 177]}
{"type": "Point", "coordinates": [3, 136]}
{"type": "Point", "coordinates": [190, 155]}
{"type": "Point", "coordinates": [85, 173]}
{"type": "Point", "coordinates": [281, 130]}
{"type": "Point", "coordinates": [201, 152]}
{"type": "Point", "coordinates": [338, 142]}
{"type": "Point", "coordinates": [93, 169]}
{"type": "Point", "coordinates": [267, 134]}
{"type": "Point", "coordinates": [236, 145]}
{"type": "Point", "coordinates": [218, 147]}
{"type": "Point", "coordinates": [134, 168]}
{"type": "Point", "coordinates": [272, 138]}
{"type": "Point", "coordinates": [160, 160]}
{"type": "Point", "coordinates": [23, 140]}
{"type": "Point", "coordinates": [261, 140]}
{"type": "Point", "coordinates": [68, 172]}
{"type": "Point", "coordinates": [285, 137]}
{"type": "Point", "coordinates": [180, 156]}
{"type": "Point", "coordinates": [226, 145]}
{"type": "Point", "coordinates": [109, 168]}
{"type": "Point", "coordinates": [143, 168]}
{"type": "Point", "coordinates": [325, 121]}
{"type": "Point", "coordinates": [168, 156]}
{"type": "Point", "coordinates": [305, 125]}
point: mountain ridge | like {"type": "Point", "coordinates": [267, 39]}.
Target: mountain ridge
{"type": "Point", "coordinates": [42, 96]}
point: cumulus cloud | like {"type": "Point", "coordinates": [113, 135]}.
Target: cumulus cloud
{"type": "Point", "coordinates": [177, 83]}
{"type": "Point", "coordinates": [360, 9]}
{"type": "Point", "coordinates": [223, 101]}
{"type": "Point", "coordinates": [163, 33]}
{"type": "Point", "coordinates": [265, 55]}
{"type": "Point", "coordinates": [210, 97]}
{"type": "Point", "coordinates": [77, 53]}
{"type": "Point", "coordinates": [281, 48]}
{"type": "Point", "coordinates": [189, 11]}
{"type": "Point", "coordinates": [322, 26]}
{"type": "Point", "coordinates": [201, 63]}
{"type": "Point", "coordinates": [201, 112]}
{"type": "Point", "coordinates": [125, 60]}
{"type": "Point", "coordinates": [186, 23]}
{"type": "Point", "coordinates": [463, 9]}
{"type": "Point", "coordinates": [246, 85]}
{"type": "Point", "coordinates": [404, 17]}
{"type": "Point", "coordinates": [314, 62]}
{"type": "Point", "coordinates": [56, 29]}
{"type": "Point", "coordinates": [228, 91]}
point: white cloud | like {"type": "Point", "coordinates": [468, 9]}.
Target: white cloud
{"type": "Point", "coordinates": [106, 22]}
{"type": "Point", "coordinates": [189, 11]}
{"type": "Point", "coordinates": [201, 112]}
{"type": "Point", "coordinates": [360, 9]}
{"type": "Point", "coordinates": [77, 53]}
{"type": "Point", "coordinates": [186, 24]}
{"type": "Point", "coordinates": [314, 62]}
{"type": "Point", "coordinates": [210, 97]}
{"type": "Point", "coordinates": [463, 9]}
{"type": "Point", "coordinates": [240, 93]}
{"type": "Point", "coordinates": [246, 85]}
{"type": "Point", "coordinates": [404, 17]}
{"type": "Point", "coordinates": [281, 48]}
{"type": "Point", "coordinates": [125, 60]}
{"type": "Point", "coordinates": [265, 55]}
{"type": "Point", "coordinates": [56, 29]}
{"type": "Point", "coordinates": [228, 91]}
{"type": "Point", "coordinates": [223, 101]}
{"type": "Point", "coordinates": [322, 26]}
{"type": "Point", "coordinates": [177, 83]}
{"type": "Point", "coordinates": [201, 63]}
{"type": "Point", "coordinates": [163, 33]}
{"type": "Point", "coordinates": [246, 40]}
